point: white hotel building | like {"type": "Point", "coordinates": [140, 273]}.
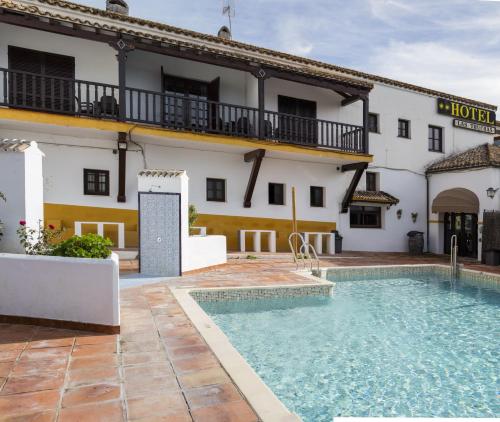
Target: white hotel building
{"type": "Point", "coordinates": [107, 95]}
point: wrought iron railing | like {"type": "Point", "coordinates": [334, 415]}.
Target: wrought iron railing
{"type": "Point", "coordinates": [83, 98]}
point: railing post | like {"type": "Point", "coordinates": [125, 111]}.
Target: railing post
{"type": "Point", "coordinates": [123, 48]}
{"type": "Point", "coordinates": [366, 131]}
{"type": "Point", "coordinates": [261, 78]}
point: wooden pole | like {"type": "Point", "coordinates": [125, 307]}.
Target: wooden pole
{"type": "Point", "coordinates": [294, 220]}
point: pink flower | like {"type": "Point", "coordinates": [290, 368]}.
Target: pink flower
{"type": "Point", "coordinates": [22, 222]}
{"type": "Point", "coordinates": [51, 227]}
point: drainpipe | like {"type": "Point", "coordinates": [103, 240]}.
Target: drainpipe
{"type": "Point", "coordinates": [427, 210]}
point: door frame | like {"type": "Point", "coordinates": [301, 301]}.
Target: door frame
{"type": "Point", "coordinates": [450, 218]}
{"type": "Point", "coordinates": [139, 224]}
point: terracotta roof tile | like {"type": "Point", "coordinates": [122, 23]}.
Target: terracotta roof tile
{"type": "Point", "coordinates": [237, 49]}
{"type": "Point", "coordinates": [379, 197]}
{"type": "Point", "coordinates": [486, 155]}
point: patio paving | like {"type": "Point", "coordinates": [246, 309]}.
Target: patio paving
{"type": "Point", "coordinates": [158, 369]}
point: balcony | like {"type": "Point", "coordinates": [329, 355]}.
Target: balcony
{"type": "Point", "coordinates": [104, 101]}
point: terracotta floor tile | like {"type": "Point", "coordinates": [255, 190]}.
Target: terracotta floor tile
{"type": "Point", "coordinates": [101, 412]}
{"type": "Point", "coordinates": [28, 403]}
{"type": "Point", "coordinates": [26, 384]}
{"type": "Point", "coordinates": [94, 362]}
{"type": "Point", "coordinates": [141, 387]}
{"type": "Point", "coordinates": [174, 342]}
{"type": "Point", "coordinates": [96, 339]}
{"type": "Point", "coordinates": [203, 361]}
{"type": "Point", "coordinates": [39, 366]}
{"type": "Point", "coordinates": [212, 395]}
{"type": "Point", "coordinates": [204, 377]}
{"type": "Point", "coordinates": [178, 417]}
{"type": "Point", "coordinates": [188, 352]}
{"type": "Point", "coordinates": [90, 394]}
{"type": "Point", "coordinates": [5, 368]}
{"type": "Point", "coordinates": [4, 347]}
{"type": "Point", "coordinates": [143, 358]}
{"type": "Point", "coordinates": [9, 355]}
{"type": "Point", "coordinates": [32, 417]}
{"type": "Point", "coordinates": [56, 342]}
{"type": "Point", "coordinates": [237, 411]}
{"type": "Point", "coordinates": [88, 350]}
{"type": "Point", "coordinates": [158, 369]}
{"type": "Point", "coordinates": [80, 377]}
{"type": "Point", "coordinates": [157, 405]}
{"type": "Point", "coordinates": [179, 332]}
{"type": "Point", "coordinates": [46, 353]}
{"type": "Point", "coordinates": [137, 347]}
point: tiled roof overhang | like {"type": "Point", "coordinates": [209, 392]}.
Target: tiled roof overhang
{"type": "Point", "coordinates": [482, 156]}
{"type": "Point", "coordinates": [102, 19]}
{"type": "Point", "coordinates": [379, 197]}
{"type": "Point", "coordinates": [14, 145]}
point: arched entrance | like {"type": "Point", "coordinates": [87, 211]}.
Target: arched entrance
{"type": "Point", "coordinates": [460, 208]}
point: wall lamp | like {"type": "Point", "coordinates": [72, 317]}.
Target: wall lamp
{"type": "Point", "coordinates": [491, 192]}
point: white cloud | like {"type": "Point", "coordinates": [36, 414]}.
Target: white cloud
{"type": "Point", "coordinates": [441, 67]}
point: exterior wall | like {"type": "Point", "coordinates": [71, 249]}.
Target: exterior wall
{"type": "Point", "coordinates": [476, 181]}
{"type": "Point", "coordinates": [22, 185]}
{"type": "Point", "coordinates": [66, 289]}
{"type": "Point", "coordinates": [410, 189]}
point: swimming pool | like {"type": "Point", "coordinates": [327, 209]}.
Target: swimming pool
{"type": "Point", "coordinates": [393, 346]}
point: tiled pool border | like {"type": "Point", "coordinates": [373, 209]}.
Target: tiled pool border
{"type": "Point", "coordinates": [265, 403]}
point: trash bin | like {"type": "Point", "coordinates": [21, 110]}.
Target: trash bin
{"type": "Point", "coordinates": [491, 257]}
{"type": "Point", "coordinates": [338, 241]}
{"type": "Point", "coordinates": [415, 242]}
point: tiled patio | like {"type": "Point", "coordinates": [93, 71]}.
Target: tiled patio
{"type": "Point", "coordinates": [158, 369]}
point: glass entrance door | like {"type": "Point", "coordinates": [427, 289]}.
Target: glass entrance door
{"type": "Point", "coordinates": [464, 226]}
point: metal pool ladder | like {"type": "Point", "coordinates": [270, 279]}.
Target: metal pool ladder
{"type": "Point", "coordinates": [303, 252]}
{"type": "Point", "coordinates": [453, 258]}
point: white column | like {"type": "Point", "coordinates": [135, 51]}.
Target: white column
{"type": "Point", "coordinates": [100, 229]}
{"type": "Point", "coordinates": [121, 235]}
{"type": "Point", "coordinates": [318, 243]}
{"type": "Point", "coordinates": [242, 240]}
{"type": "Point", "coordinates": [331, 244]}
{"type": "Point", "coordinates": [78, 228]}
{"type": "Point", "coordinates": [272, 241]}
{"type": "Point", "coordinates": [256, 241]}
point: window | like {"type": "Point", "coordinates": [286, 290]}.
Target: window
{"type": "Point", "coordinates": [317, 196]}
{"type": "Point", "coordinates": [365, 217]}
{"type": "Point", "coordinates": [371, 181]}
{"type": "Point", "coordinates": [96, 182]}
{"type": "Point", "coordinates": [373, 122]}
{"type": "Point", "coordinates": [41, 91]}
{"type": "Point", "coordinates": [303, 128]}
{"type": "Point", "coordinates": [435, 138]}
{"type": "Point", "coordinates": [404, 128]}
{"type": "Point", "coordinates": [276, 194]}
{"type": "Point", "coordinates": [216, 190]}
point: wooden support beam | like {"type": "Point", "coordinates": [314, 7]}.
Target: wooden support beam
{"type": "Point", "coordinates": [256, 156]}
{"type": "Point", "coordinates": [350, 100]}
{"type": "Point", "coordinates": [359, 168]}
{"type": "Point", "coordinates": [122, 166]}
{"type": "Point", "coordinates": [366, 129]}
{"type": "Point", "coordinates": [261, 78]}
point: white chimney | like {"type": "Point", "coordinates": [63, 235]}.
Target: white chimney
{"type": "Point", "coordinates": [117, 6]}
{"type": "Point", "coordinates": [225, 33]}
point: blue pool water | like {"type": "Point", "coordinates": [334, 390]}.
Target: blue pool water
{"type": "Point", "coordinates": [398, 347]}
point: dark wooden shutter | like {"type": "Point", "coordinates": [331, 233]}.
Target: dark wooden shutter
{"type": "Point", "coordinates": [41, 87]}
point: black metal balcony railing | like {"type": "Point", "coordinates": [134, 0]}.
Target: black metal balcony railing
{"type": "Point", "coordinates": [83, 98]}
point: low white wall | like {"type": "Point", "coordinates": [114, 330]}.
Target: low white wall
{"type": "Point", "coordinates": [67, 289]}
{"type": "Point", "coordinates": [204, 251]}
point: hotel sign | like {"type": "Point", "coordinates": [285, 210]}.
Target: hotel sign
{"type": "Point", "coordinates": [467, 116]}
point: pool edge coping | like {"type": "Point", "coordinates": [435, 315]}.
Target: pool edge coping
{"type": "Point", "coordinates": [267, 406]}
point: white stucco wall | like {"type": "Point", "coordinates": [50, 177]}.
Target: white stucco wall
{"type": "Point", "coordinates": [21, 181]}
{"type": "Point", "coordinates": [67, 289]}
{"type": "Point", "coordinates": [476, 181]}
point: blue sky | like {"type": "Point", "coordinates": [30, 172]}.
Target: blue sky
{"type": "Point", "coordinates": [449, 45]}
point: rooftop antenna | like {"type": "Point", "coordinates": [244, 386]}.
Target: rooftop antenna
{"type": "Point", "coordinates": [228, 8]}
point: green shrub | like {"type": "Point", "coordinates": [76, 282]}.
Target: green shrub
{"type": "Point", "coordinates": [193, 215]}
{"type": "Point", "coordinates": [86, 246]}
